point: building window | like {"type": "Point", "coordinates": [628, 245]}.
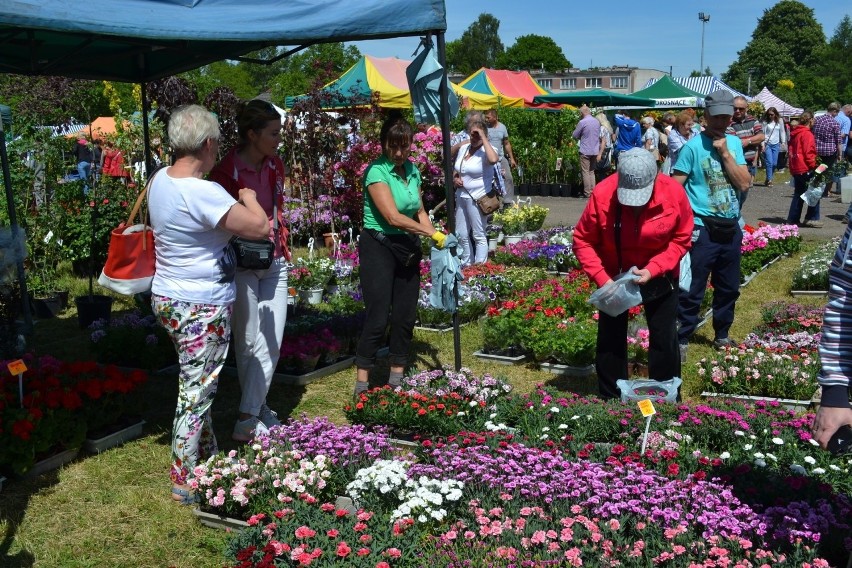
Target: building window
{"type": "Point", "coordinates": [618, 82]}
{"type": "Point", "coordinates": [593, 82]}
{"type": "Point", "coordinates": [545, 83]}
{"type": "Point", "coordinates": [569, 84]}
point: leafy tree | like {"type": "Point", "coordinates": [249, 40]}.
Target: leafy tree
{"type": "Point", "coordinates": [479, 46]}
{"type": "Point", "coordinates": [787, 38]}
{"type": "Point", "coordinates": [52, 100]}
{"type": "Point", "coordinates": [224, 103]}
{"type": "Point", "coordinates": [229, 74]}
{"type": "Point", "coordinates": [707, 72]}
{"type": "Point", "coordinates": [812, 90]}
{"type": "Point", "coordinates": [792, 24]}
{"type": "Point", "coordinates": [169, 93]}
{"type": "Point", "coordinates": [769, 62]}
{"type": "Point", "coordinates": [534, 52]}
{"type": "Point", "coordinates": [122, 97]}
{"type": "Point", "coordinates": [319, 63]}
{"type": "Point", "coordinates": [836, 60]}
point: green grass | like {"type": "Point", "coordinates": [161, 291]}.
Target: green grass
{"type": "Point", "coordinates": [114, 509]}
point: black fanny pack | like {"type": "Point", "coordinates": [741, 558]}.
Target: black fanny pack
{"type": "Point", "coordinates": [254, 255]}
{"type": "Point", "coordinates": [721, 229]}
{"type": "Point", "coordinates": [405, 248]}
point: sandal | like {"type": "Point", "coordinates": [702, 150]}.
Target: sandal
{"type": "Point", "coordinates": [185, 496]}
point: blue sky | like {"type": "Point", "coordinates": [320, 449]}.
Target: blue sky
{"type": "Point", "coordinates": [622, 32]}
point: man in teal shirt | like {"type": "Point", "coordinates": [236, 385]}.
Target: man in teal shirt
{"type": "Point", "coordinates": [712, 169]}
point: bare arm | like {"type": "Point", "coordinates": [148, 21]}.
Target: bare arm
{"type": "Point", "coordinates": [507, 151]}
{"type": "Point", "coordinates": [246, 218]}
{"type": "Point", "coordinates": [383, 198]}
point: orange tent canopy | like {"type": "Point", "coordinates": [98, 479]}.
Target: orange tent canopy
{"type": "Point", "coordinates": [97, 129]}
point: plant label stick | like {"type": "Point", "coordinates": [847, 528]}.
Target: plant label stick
{"type": "Point", "coordinates": [18, 367]}
{"type": "Point", "coordinates": [648, 410]}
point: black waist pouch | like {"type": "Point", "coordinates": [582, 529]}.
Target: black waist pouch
{"type": "Point", "coordinates": [405, 248]}
{"type": "Point", "coordinates": [720, 229]}
{"type": "Point", "coordinates": [656, 288]}
{"type": "Point", "coordinates": [253, 254]}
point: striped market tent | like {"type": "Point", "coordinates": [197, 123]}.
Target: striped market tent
{"type": "Point", "coordinates": [769, 100]}
{"type": "Point", "coordinates": [704, 85]}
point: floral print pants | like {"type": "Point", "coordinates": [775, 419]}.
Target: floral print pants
{"type": "Point", "coordinates": [200, 333]}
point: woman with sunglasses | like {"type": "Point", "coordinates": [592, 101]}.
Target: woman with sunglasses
{"type": "Point", "coordinates": [776, 137]}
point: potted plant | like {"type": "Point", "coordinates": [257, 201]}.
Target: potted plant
{"type": "Point", "coordinates": [300, 353]}
{"type": "Point", "coordinates": [310, 277]}
{"type": "Point", "coordinates": [152, 349]}
{"type": "Point", "coordinates": [493, 232]}
{"type": "Point", "coordinates": [513, 223]}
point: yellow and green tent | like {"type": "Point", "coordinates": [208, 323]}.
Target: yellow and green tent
{"type": "Point", "coordinates": [386, 76]}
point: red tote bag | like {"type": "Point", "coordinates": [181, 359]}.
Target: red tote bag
{"type": "Point", "coordinates": [129, 267]}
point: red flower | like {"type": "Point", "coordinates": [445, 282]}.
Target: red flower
{"type": "Point", "coordinates": [343, 549]}
{"type": "Point", "coordinates": [673, 469]}
{"type": "Point", "coordinates": [22, 429]}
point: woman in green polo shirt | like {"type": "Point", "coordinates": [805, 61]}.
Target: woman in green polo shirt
{"type": "Point", "coordinates": [389, 250]}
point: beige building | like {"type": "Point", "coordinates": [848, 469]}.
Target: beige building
{"type": "Point", "coordinates": [621, 79]}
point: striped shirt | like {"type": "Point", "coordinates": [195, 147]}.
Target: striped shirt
{"type": "Point", "coordinates": [827, 135]}
{"type": "Point", "coordinates": [746, 129]}
{"type": "Point", "coordinates": [835, 346]}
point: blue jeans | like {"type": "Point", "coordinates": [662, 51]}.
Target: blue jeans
{"type": "Point", "coordinates": [83, 169]}
{"type": "Point", "coordinates": [770, 159]}
{"type": "Point", "coordinates": [800, 185]}
{"type": "Point", "coordinates": [720, 262]}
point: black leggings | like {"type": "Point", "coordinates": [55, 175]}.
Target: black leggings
{"type": "Point", "coordinates": [663, 352]}
{"type": "Point", "coordinates": [390, 295]}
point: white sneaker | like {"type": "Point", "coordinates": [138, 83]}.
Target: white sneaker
{"type": "Point", "coordinates": [246, 430]}
{"type": "Point", "coordinates": [268, 416]}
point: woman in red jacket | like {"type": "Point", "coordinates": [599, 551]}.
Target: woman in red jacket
{"type": "Point", "coordinates": [802, 158]}
{"type": "Point", "coordinates": [636, 218]}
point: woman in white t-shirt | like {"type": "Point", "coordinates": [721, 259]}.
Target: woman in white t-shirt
{"type": "Point", "coordinates": [193, 288]}
{"type": "Point", "coordinates": [472, 178]}
{"type": "Point", "coordinates": [776, 136]}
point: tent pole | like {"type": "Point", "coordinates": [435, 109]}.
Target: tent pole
{"type": "Point", "coordinates": [448, 181]}
{"type": "Point", "coordinates": [15, 231]}
{"type": "Point", "coordinates": [146, 133]}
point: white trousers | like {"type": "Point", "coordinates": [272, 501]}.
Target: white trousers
{"type": "Point", "coordinates": [470, 221]}
{"type": "Point", "coordinates": [257, 324]}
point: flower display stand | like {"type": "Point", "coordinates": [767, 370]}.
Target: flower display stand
{"type": "Point", "coordinates": [222, 522]}
{"type": "Point", "coordinates": [568, 370]}
{"type": "Point", "coordinates": [788, 403]}
{"type": "Point", "coordinates": [795, 293]}
{"type": "Point", "coordinates": [306, 378]}
{"type": "Point", "coordinates": [52, 462]}
{"type": "Point", "coordinates": [130, 432]}
{"type": "Point", "coordinates": [509, 356]}
{"type": "Point", "coordinates": [441, 329]}
{"type": "Point", "coordinates": [215, 521]}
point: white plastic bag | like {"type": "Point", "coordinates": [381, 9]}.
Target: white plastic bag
{"type": "Point", "coordinates": [618, 296]}
{"type": "Point", "coordinates": [812, 195]}
{"type": "Point", "coordinates": [685, 273]}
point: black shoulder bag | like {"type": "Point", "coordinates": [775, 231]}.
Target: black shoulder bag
{"type": "Point", "coordinates": [256, 254]}
{"type": "Point", "coordinates": [653, 289]}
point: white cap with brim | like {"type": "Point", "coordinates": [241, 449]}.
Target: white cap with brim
{"type": "Point", "coordinates": [637, 171]}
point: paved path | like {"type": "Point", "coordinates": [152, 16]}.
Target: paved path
{"type": "Point", "coordinates": [768, 204]}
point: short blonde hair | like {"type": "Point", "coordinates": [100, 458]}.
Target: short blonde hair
{"type": "Point", "coordinates": [190, 126]}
